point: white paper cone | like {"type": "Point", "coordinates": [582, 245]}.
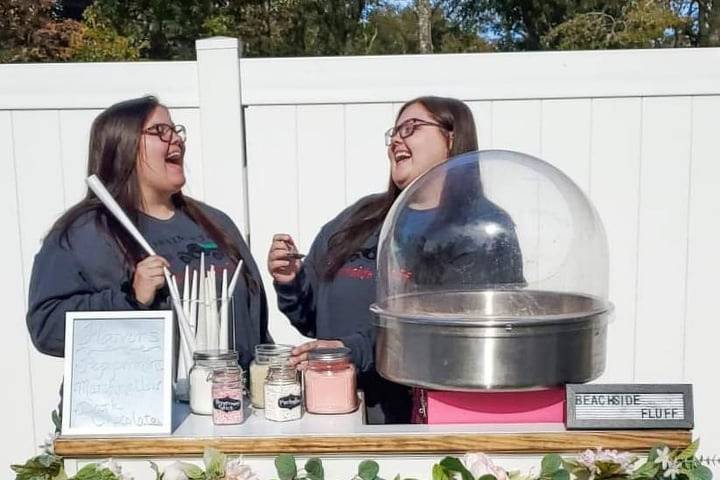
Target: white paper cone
{"type": "Point", "coordinates": [236, 275]}
{"type": "Point", "coordinates": [194, 301]}
{"type": "Point", "coordinates": [107, 199]}
{"type": "Point", "coordinates": [201, 329]}
{"type": "Point", "coordinates": [211, 319]}
{"type": "Point", "coordinates": [224, 307]}
{"type": "Point", "coordinates": [186, 294]}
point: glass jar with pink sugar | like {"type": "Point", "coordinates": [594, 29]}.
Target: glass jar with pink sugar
{"type": "Point", "coordinates": [227, 393]}
{"type": "Point", "coordinates": [330, 385]}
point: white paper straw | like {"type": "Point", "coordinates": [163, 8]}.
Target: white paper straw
{"type": "Point", "coordinates": [107, 199]}
{"type": "Point", "coordinates": [224, 305]}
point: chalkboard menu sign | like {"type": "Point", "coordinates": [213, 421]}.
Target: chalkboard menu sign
{"type": "Point", "coordinates": [118, 373]}
{"type": "Point", "coordinates": [617, 406]}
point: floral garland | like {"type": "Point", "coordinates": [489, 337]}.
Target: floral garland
{"type": "Point", "coordinates": [661, 463]}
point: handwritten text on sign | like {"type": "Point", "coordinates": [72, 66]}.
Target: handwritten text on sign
{"type": "Point", "coordinates": [117, 376]}
{"type": "Point", "coordinates": [630, 406]}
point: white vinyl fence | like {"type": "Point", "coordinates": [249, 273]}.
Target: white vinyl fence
{"type": "Point", "coordinates": [283, 145]}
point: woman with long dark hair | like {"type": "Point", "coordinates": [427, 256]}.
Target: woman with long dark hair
{"type": "Point", "coordinates": [89, 262]}
{"type": "Point", "coordinates": [327, 296]}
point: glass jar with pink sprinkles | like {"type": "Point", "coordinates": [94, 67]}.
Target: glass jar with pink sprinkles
{"type": "Point", "coordinates": [227, 393]}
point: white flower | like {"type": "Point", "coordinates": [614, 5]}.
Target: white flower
{"type": "Point", "coordinates": [590, 459]}
{"type": "Point", "coordinates": [176, 471]}
{"type": "Point", "coordinates": [480, 464]}
{"type": "Point", "coordinates": [235, 469]}
{"type": "Point", "coordinates": [672, 471]}
{"type": "Point", "coordinates": [663, 458]}
{"type": "Point", "coordinates": [587, 459]}
{"type": "Point", "coordinates": [115, 468]}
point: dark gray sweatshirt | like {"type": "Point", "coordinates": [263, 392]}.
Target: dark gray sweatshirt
{"type": "Point", "coordinates": [90, 273]}
{"type": "Point", "coordinates": [339, 309]}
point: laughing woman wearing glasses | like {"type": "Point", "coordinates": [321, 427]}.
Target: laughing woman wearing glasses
{"type": "Point", "coordinates": [89, 262]}
{"type": "Point", "coordinates": [327, 296]}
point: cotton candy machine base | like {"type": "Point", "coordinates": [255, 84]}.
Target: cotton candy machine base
{"type": "Point", "coordinates": [491, 340]}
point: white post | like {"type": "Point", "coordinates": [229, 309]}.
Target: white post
{"type": "Point", "coordinates": [222, 127]}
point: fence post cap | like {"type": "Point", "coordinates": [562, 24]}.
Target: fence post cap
{"type": "Point", "coordinates": [217, 43]}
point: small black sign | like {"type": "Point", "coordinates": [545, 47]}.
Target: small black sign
{"type": "Point", "coordinates": [227, 404]}
{"type": "Point", "coordinates": [623, 405]}
{"type": "Point", "coordinates": [290, 401]}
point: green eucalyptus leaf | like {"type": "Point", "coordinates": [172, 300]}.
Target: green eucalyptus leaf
{"type": "Point", "coordinates": [91, 471]}
{"type": "Point", "coordinates": [581, 474]}
{"type": "Point", "coordinates": [314, 469]}
{"type": "Point", "coordinates": [561, 475]}
{"type": "Point", "coordinates": [286, 467]}
{"type": "Point", "coordinates": [194, 472]}
{"type": "Point", "coordinates": [703, 473]}
{"type": "Point", "coordinates": [487, 476]}
{"type": "Point", "coordinates": [56, 420]}
{"type": "Point", "coordinates": [454, 464]}
{"type": "Point", "coordinates": [41, 467]}
{"type": "Point", "coordinates": [439, 473]}
{"type": "Point", "coordinates": [647, 470]}
{"type": "Point", "coordinates": [551, 463]}
{"type": "Point", "coordinates": [368, 469]}
{"type": "Point", "coordinates": [690, 451]}
{"type": "Point", "coordinates": [214, 464]}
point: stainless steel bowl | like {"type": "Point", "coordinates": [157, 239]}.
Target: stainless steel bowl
{"type": "Point", "coordinates": [491, 340]}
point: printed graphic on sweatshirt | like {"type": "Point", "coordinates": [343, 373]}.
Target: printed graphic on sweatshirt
{"type": "Point", "coordinates": [181, 250]}
{"type": "Point", "coordinates": [357, 265]}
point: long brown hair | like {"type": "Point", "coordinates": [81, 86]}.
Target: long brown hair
{"type": "Point", "coordinates": [115, 139]}
{"type": "Point", "coordinates": [452, 114]}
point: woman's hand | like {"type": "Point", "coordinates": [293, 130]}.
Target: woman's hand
{"type": "Point", "coordinates": [299, 354]}
{"type": "Point", "coordinates": [283, 262]}
{"type": "Point", "coordinates": [149, 278]}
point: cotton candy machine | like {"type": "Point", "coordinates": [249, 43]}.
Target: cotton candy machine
{"type": "Point", "coordinates": [492, 275]}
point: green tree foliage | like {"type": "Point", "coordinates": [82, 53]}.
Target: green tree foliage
{"type": "Point", "coordinates": [30, 32]}
{"type": "Point", "coordinates": [96, 41]}
{"type": "Point", "coordinates": [102, 30]}
{"type": "Point", "coordinates": [575, 24]}
{"type": "Point", "coordinates": [640, 24]}
{"type": "Point", "coordinates": [390, 29]}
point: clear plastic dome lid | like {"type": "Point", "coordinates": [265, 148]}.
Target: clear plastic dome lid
{"type": "Point", "coordinates": [491, 220]}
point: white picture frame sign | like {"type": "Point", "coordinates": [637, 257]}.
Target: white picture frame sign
{"type": "Point", "coordinates": [118, 373]}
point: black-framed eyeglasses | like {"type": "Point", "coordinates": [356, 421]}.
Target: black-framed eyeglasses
{"type": "Point", "coordinates": [407, 128]}
{"type": "Point", "coordinates": [165, 131]}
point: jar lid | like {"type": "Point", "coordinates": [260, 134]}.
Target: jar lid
{"type": "Point", "coordinates": [329, 354]}
{"type": "Point", "coordinates": [272, 349]}
{"type": "Point", "coordinates": [215, 355]}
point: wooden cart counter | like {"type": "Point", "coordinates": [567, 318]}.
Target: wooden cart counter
{"type": "Point", "coordinates": [347, 435]}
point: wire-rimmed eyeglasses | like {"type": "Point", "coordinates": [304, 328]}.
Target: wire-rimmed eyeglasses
{"type": "Point", "coordinates": [407, 128]}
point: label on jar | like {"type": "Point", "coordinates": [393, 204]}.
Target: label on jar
{"type": "Point", "coordinates": [283, 402]}
{"type": "Point", "coordinates": [227, 404]}
{"type": "Point", "coordinates": [291, 401]}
